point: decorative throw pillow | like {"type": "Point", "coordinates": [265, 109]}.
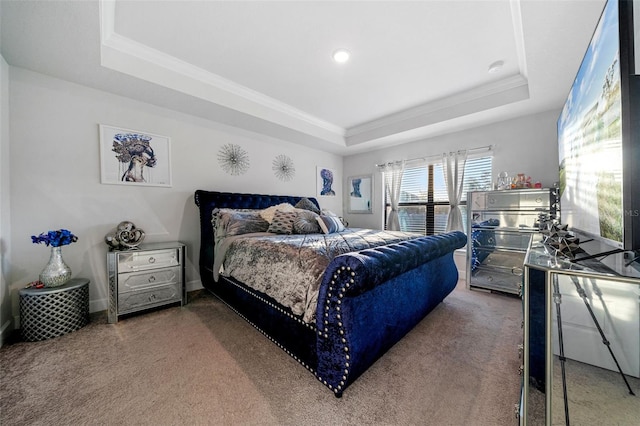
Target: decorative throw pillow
{"type": "Point", "coordinates": [306, 223]}
{"type": "Point", "coordinates": [237, 223]}
{"type": "Point", "coordinates": [330, 224]}
{"type": "Point", "coordinates": [282, 222]}
{"type": "Point", "coordinates": [307, 204]}
{"type": "Point", "coordinates": [268, 213]}
{"type": "Point", "coordinates": [227, 222]}
{"type": "Point", "coordinates": [216, 214]}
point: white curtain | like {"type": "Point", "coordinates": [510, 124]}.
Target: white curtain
{"type": "Point", "coordinates": [453, 165]}
{"type": "Point", "coordinates": [392, 182]}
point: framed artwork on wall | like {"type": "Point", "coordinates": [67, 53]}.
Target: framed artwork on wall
{"type": "Point", "coordinates": [132, 157]}
{"type": "Point", "coordinates": [360, 189]}
{"type": "Point", "coordinates": [325, 182]}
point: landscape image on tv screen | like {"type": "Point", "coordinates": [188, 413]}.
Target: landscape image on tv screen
{"type": "Point", "coordinates": [590, 138]}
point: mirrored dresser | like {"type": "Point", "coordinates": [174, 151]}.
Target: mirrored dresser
{"type": "Point", "coordinates": [499, 224]}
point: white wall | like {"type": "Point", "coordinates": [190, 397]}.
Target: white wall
{"type": "Point", "coordinates": [52, 133]}
{"type": "Point", "coordinates": [523, 145]}
{"type": "Point", "coordinates": [6, 320]}
{"type": "Point", "coordinates": [55, 176]}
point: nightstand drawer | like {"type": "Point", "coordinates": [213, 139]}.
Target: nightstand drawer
{"type": "Point", "coordinates": [136, 261]}
{"type": "Point", "coordinates": [137, 281]}
{"type": "Point", "coordinates": [156, 296]}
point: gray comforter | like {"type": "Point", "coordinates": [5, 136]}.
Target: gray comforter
{"type": "Point", "coordinates": [289, 268]}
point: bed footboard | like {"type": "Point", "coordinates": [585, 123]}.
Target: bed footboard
{"type": "Point", "coordinates": [370, 299]}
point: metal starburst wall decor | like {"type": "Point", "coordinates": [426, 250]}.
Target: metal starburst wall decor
{"type": "Point", "coordinates": [233, 159]}
{"type": "Point", "coordinates": [283, 168]}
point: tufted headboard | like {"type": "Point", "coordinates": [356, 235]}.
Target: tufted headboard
{"type": "Point", "coordinates": [209, 200]}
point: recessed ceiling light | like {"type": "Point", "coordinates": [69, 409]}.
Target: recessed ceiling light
{"type": "Point", "coordinates": [341, 56]}
{"type": "Point", "coordinates": [496, 67]}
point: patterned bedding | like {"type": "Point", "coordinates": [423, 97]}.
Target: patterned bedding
{"type": "Point", "coordinates": [289, 268]}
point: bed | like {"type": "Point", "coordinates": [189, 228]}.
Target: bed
{"type": "Point", "coordinates": [366, 299]}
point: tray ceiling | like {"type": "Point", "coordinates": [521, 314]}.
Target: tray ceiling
{"type": "Point", "coordinates": [417, 69]}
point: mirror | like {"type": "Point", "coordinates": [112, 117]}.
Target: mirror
{"type": "Point", "coordinates": [359, 190]}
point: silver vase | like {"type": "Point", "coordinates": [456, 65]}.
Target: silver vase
{"type": "Point", "coordinates": [56, 272]}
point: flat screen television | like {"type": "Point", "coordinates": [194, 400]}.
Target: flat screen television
{"type": "Point", "coordinates": [599, 137]}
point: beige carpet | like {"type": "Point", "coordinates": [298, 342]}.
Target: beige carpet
{"type": "Point", "coordinates": [595, 396]}
{"type": "Point", "coordinates": [202, 364]}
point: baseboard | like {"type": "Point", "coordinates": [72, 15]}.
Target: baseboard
{"type": "Point", "coordinates": [5, 332]}
{"type": "Point", "coordinates": [99, 305]}
{"type": "Point", "coordinates": [194, 285]}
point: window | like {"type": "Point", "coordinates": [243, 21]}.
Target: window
{"type": "Point", "coordinates": [424, 203]}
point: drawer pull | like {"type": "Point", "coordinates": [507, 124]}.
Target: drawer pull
{"type": "Point", "coordinates": [152, 298]}
{"type": "Point", "coordinates": [152, 278]}
{"type": "Point", "coordinates": [152, 259]}
{"type": "Point", "coordinates": [516, 271]}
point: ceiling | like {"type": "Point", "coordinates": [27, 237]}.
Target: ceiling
{"type": "Point", "coordinates": [418, 69]}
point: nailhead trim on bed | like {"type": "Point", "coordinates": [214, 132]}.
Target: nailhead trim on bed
{"type": "Point", "coordinates": [341, 291]}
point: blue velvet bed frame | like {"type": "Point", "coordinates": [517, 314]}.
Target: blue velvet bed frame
{"type": "Point", "coordinates": [368, 300]}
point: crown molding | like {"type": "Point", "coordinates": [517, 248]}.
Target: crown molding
{"type": "Point", "coordinates": [141, 61]}
{"type": "Point", "coordinates": [480, 98]}
{"type": "Point", "coordinates": [518, 37]}
{"type": "Point", "coordinates": [128, 56]}
{"type": "Point", "coordinates": [507, 90]}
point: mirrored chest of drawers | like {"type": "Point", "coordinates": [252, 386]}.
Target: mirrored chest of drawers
{"type": "Point", "coordinates": [500, 224]}
{"type": "Point", "coordinates": [149, 276]}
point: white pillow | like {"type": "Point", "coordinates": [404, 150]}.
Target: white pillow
{"type": "Point", "coordinates": [267, 214]}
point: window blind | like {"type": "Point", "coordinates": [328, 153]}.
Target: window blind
{"type": "Point", "coordinates": [424, 202]}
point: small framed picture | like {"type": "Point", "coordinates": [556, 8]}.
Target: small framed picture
{"type": "Point", "coordinates": [360, 193]}
{"type": "Point", "coordinates": [133, 157]}
{"type": "Point", "coordinates": [325, 179]}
